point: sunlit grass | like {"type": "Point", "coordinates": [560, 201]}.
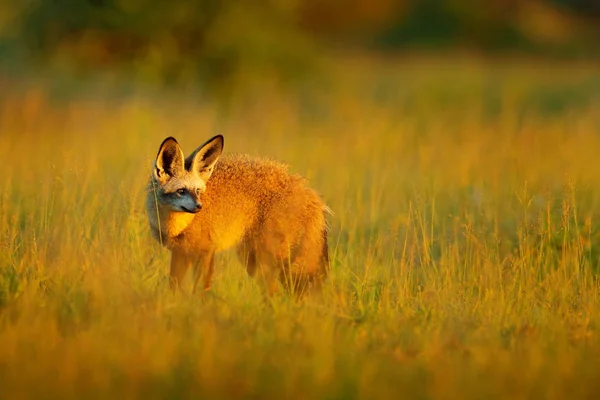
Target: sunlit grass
{"type": "Point", "coordinates": [464, 243]}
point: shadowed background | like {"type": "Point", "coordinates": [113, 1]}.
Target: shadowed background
{"type": "Point", "coordinates": [224, 47]}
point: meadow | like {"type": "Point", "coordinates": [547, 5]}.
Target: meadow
{"type": "Point", "coordinates": [464, 242]}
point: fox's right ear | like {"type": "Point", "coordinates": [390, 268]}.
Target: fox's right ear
{"type": "Point", "coordinates": [169, 161]}
{"type": "Point", "coordinates": [204, 158]}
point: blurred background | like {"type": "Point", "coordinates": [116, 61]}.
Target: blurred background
{"type": "Point", "coordinates": [221, 48]}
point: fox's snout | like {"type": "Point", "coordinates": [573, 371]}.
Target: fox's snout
{"type": "Point", "coordinates": [197, 207]}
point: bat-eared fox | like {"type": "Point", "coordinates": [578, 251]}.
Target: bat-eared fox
{"type": "Point", "coordinates": [206, 203]}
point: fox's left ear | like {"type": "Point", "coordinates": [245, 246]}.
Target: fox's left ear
{"type": "Point", "coordinates": [203, 159]}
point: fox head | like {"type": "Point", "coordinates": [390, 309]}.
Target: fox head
{"type": "Point", "coordinates": [179, 181]}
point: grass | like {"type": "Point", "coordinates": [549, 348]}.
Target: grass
{"type": "Point", "coordinates": [464, 243]}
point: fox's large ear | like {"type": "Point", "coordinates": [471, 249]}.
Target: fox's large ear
{"type": "Point", "coordinates": [169, 161]}
{"type": "Point", "coordinates": [203, 159]}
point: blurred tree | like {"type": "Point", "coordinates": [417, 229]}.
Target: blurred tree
{"type": "Point", "coordinates": [351, 17]}
{"type": "Point", "coordinates": [589, 7]}
{"type": "Point", "coordinates": [542, 25]}
{"type": "Point", "coordinates": [210, 40]}
{"type": "Point", "coordinates": [9, 13]}
{"type": "Point", "coordinates": [225, 43]}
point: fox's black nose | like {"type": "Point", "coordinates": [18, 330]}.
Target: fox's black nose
{"type": "Point", "coordinates": [198, 206]}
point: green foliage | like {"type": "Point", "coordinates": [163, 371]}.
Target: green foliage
{"type": "Point", "coordinates": [230, 45]}
{"type": "Point", "coordinates": [214, 42]}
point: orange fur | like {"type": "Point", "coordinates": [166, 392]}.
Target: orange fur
{"type": "Point", "coordinates": [276, 222]}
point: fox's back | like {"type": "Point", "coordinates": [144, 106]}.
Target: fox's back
{"type": "Point", "coordinates": [246, 192]}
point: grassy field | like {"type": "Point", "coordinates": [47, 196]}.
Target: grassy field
{"type": "Point", "coordinates": [464, 246]}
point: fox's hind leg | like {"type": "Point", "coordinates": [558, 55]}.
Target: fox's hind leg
{"type": "Point", "coordinates": [310, 266]}
{"type": "Point", "coordinates": [204, 264]}
{"type": "Point", "coordinates": [259, 266]}
{"type": "Point", "coordinates": [247, 257]}
{"type": "Point", "coordinates": [180, 263]}
{"type": "Point", "coordinates": [267, 273]}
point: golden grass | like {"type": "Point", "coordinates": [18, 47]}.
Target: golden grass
{"type": "Point", "coordinates": [464, 244]}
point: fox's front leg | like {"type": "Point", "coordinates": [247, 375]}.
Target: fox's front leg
{"type": "Point", "coordinates": [180, 263]}
{"type": "Point", "coordinates": [204, 264]}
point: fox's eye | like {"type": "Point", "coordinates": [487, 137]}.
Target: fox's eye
{"type": "Point", "coordinates": [181, 191]}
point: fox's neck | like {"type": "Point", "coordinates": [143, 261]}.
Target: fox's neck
{"type": "Point", "coordinates": [169, 223]}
